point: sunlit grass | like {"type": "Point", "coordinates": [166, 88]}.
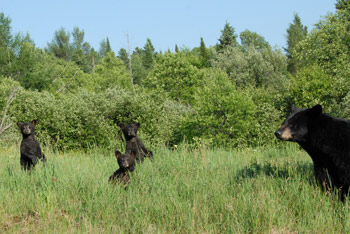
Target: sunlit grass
{"type": "Point", "coordinates": [266, 190]}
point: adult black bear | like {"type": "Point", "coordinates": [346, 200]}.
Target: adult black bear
{"type": "Point", "coordinates": [327, 141]}
{"type": "Point", "coordinates": [133, 143]}
{"type": "Point", "coordinates": [30, 147]}
{"type": "Point", "coordinates": [126, 164]}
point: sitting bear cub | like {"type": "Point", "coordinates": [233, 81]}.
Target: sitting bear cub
{"type": "Point", "coordinates": [133, 143]}
{"type": "Point", "coordinates": [326, 139]}
{"type": "Point", "coordinates": [126, 164]}
{"type": "Point", "coordinates": [30, 148]}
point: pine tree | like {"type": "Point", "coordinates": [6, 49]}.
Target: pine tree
{"type": "Point", "coordinates": [81, 51]}
{"type": "Point", "coordinates": [105, 47]}
{"type": "Point", "coordinates": [176, 48]}
{"type": "Point", "coordinates": [60, 45]}
{"type": "Point", "coordinates": [295, 33]}
{"type": "Point", "coordinates": [6, 54]}
{"type": "Point", "coordinates": [227, 38]}
{"type": "Point", "coordinates": [149, 54]}
{"type": "Point", "coordinates": [123, 55]}
{"type": "Point", "coordinates": [108, 46]}
{"type": "Point", "coordinates": [203, 53]}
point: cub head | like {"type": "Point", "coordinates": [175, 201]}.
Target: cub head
{"type": "Point", "coordinates": [125, 161]}
{"type": "Point", "coordinates": [295, 127]}
{"type": "Point", "coordinates": [27, 128]}
{"type": "Point", "coordinates": [129, 130]}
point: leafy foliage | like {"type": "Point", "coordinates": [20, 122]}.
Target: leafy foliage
{"type": "Point", "coordinates": [229, 94]}
{"type": "Point", "coordinates": [252, 67]}
{"type": "Point", "coordinates": [174, 74]}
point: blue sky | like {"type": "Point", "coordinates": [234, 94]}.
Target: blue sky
{"type": "Point", "coordinates": [166, 23]}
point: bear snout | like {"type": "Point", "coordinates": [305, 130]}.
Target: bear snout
{"type": "Point", "coordinates": [125, 164]}
{"type": "Point", "coordinates": [285, 134]}
{"type": "Point", "coordinates": [278, 134]}
{"type": "Point", "coordinates": [27, 131]}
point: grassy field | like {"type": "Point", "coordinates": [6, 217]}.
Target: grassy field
{"type": "Point", "coordinates": [200, 191]}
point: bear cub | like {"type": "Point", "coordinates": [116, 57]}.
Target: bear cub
{"type": "Point", "coordinates": [133, 143]}
{"type": "Point", "coordinates": [30, 147]}
{"type": "Point", "coordinates": [126, 164]}
{"type": "Point", "coordinates": [326, 139]}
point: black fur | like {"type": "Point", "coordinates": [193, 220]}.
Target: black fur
{"type": "Point", "coordinates": [327, 141]}
{"type": "Point", "coordinates": [133, 143]}
{"type": "Point", "coordinates": [30, 147]}
{"type": "Point", "coordinates": [126, 164]}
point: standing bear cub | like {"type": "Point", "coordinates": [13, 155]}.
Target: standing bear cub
{"type": "Point", "coordinates": [133, 143]}
{"type": "Point", "coordinates": [126, 164]}
{"type": "Point", "coordinates": [326, 139]}
{"type": "Point", "coordinates": [30, 148]}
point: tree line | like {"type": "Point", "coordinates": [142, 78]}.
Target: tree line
{"type": "Point", "coordinates": [231, 94]}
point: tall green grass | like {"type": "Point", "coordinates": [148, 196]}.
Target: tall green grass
{"type": "Point", "coordinates": [265, 190]}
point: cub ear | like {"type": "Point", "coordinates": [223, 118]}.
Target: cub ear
{"type": "Point", "coordinates": [121, 125]}
{"type": "Point", "coordinates": [34, 122]}
{"type": "Point", "coordinates": [19, 124]}
{"type": "Point", "coordinates": [117, 154]}
{"type": "Point", "coordinates": [137, 125]}
{"type": "Point", "coordinates": [316, 110]}
{"type": "Point", "coordinates": [133, 154]}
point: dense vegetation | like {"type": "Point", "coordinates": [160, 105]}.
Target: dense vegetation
{"type": "Point", "coordinates": [231, 94]}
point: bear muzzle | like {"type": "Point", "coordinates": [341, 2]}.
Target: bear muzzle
{"type": "Point", "coordinates": [284, 134]}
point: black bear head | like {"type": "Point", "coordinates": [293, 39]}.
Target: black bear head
{"type": "Point", "coordinates": [296, 126]}
{"type": "Point", "coordinates": [129, 130]}
{"type": "Point", "coordinates": [27, 128]}
{"type": "Point", "coordinates": [126, 161]}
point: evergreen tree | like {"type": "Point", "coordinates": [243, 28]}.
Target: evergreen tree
{"type": "Point", "coordinates": [60, 45]}
{"type": "Point", "coordinates": [227, 38]}
{"type": "Point", "coordinates": [81, 51]}
{"type": "Point", "coordinates": [123, 55]}
{"type": "Point", "coordinates": [108, 46]}
{"type": "Point", "coordinates": [105, 47]}
{"type": "Point", "coordinates": [149, 54]}
{"type": "Point", "coordinates": [203, 53]}
{"type": "Point", "coordinates": [295, 33]}
{"type": "Point", "coordinates": [176, 48]}
{"type": "Point", "coordinates": [6, 54]}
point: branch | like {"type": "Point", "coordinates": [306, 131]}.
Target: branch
{"type": "Point", "coordinates": [10, 99]}
{"type": "Point", "coordinates": [68, 82]}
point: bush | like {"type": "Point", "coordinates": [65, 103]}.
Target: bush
{"type": "Point", "coordinates": [66, 122]}
{"type": "Point", "coordinates": [87, 119]}
{"type": "Point", "coordinates": [311, 86]}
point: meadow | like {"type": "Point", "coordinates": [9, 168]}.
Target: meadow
{"type": "Point", "coordinates": [263, 190]}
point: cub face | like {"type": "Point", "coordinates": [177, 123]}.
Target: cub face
{"type": "Point", "coordinates": [125, 161]}
{"type": "Point", "coordinates": [27, 128]}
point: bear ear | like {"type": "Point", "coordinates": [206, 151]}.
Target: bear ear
{"type": "Point", "coordinates": [316, 110]}
{"type": "Point", "coordinates": [19, 124]}
{"type": "Point", "coordinates": [133, 154]}
{"type": "Point", "coordinates": [34, 122]}
{"type": "Point", "coordinates": [117, 154]}
{"type": "Point", "coordinates": [121, 125]}
{"type": "Point", "coordinates": [137, 125]}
